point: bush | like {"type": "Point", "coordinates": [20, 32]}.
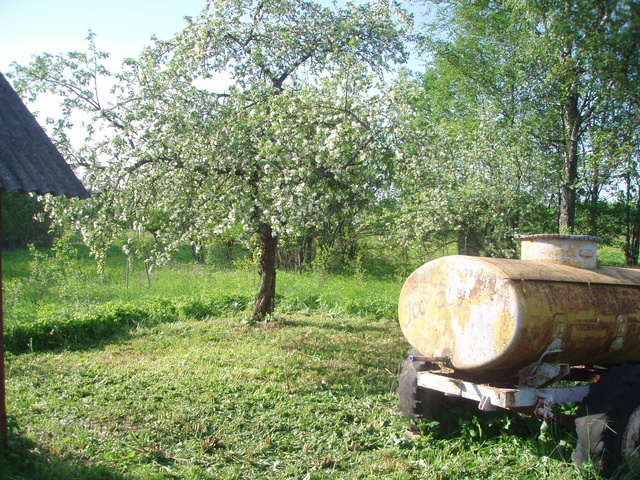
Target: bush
{"type": "Point", "coordinates": [378, 308]}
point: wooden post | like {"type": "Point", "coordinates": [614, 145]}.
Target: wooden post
{"type": "Point", "coordinates": [4, 434]}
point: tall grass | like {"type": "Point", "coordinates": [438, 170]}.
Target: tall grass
{"type": "Point", "coordinates": [61, 301]}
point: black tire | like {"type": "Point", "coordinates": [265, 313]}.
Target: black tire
{"type": "Point", "coordinates": [609, 425]}
{"type": "Point", "coordinates": [415, 402]}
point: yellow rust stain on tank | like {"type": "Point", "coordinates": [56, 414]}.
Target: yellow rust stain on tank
{"type": "Point", "coordinates": [503, 331]}
{"type": "Point", "coordinates": [458, 308]}
{"type": "Point", "coordinates": [485, 318]}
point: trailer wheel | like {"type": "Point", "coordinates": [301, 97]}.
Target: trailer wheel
{"type": "Point", "coordinates": [415, 402]}
{"type": "Point", "coordinates": [609, 429]}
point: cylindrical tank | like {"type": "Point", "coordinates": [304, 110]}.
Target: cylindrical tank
{"type": "Point", "coordinates": [488, 314]}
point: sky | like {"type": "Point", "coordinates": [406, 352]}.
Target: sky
{"type": "Point", "coordinates": [122, 27]}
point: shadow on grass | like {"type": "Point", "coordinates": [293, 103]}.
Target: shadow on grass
{"type": "Point", "coordinates": [55, 328]}
{"type": "Point", "coordinates": [63, 330]}
{"type": "Point", "coordinates": [26, 460]}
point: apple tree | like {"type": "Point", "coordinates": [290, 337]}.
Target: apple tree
{"type": "Point", "coordinates": [268, 115]}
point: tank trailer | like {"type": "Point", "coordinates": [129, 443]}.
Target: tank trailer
{"type": "Point", "coordinates": [526, 335]}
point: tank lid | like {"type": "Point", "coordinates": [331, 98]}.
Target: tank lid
{"type": "Point", "coordinates": [572, 250]}
{"type": "Point", "coordinates": [558, 236]}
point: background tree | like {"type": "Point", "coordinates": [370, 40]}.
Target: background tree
{"type": "Point", "coordinates": [20, 224]}
{"type": "Point", "coordinates": [294, 132]}
{"type": "Point", "coordinates": [559, 66]}
{"type": "Point", "coordinates": [464, 175]}
{"type": "Point", "coordinates": [612, 205]}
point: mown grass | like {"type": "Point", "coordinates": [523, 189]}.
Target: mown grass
{"type": "Point", "coordinates": [169, 380]}
{"type": "Point", "coordinates": [302, 396]}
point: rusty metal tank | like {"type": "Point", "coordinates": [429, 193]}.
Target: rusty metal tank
{"type": "Point", "coordinates": [553, 305]}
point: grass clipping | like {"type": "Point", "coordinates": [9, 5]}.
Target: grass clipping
{"type": "Point", "coordinates": [300, 397]}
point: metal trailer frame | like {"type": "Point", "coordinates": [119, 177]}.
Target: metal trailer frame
{"type": "Point", "coordinates": [522, 398]}
{"type": "Point", "coordinates": [531, 394]}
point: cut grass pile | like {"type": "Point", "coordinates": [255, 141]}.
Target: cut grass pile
{"type": "Point", "coordinates": [299, 397]}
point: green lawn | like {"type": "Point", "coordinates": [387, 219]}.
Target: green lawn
{"type": "Point", "coordinates": [302, 396]}
{"type": "Point", "coordinates": [170, 380]}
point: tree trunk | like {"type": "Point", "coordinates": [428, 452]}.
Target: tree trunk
{"type": "Point", "coordinates": [632, 243]}
{"type": "Point", "coordinates": [265, 301]}
{"type": "Point", "coordinates": [197, 253]}
{"type": "Point", "coordinates": [468, 243]}
{"type": "Point", "coordinates": [571, 116]}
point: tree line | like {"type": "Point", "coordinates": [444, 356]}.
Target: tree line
{"type": "Point", "coordinates": [296, 129]}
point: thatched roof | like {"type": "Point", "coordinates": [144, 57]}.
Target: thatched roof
{"type": "Point", "coordinates": [29, 162]}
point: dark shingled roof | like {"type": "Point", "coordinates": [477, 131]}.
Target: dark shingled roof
{"type": "Point", "coordinates": [29, 162]}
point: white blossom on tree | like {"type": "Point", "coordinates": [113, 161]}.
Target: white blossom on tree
{"type": "Point", "coordinates": [267, 115]}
